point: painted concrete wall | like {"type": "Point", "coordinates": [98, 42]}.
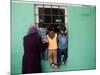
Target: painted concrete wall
{"type": "Point", "coordinates": [81, 42]}
{"type": "Point", "coordinates": [22, 18]}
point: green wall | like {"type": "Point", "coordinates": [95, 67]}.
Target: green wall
{"type": "Point", "coordinates": [22, 18]}
{"type": "Point", "coordinates": [81, 42]}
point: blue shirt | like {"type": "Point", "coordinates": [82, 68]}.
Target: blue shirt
{"type": "Point", "coordinates": [63, 41]}
{"type": "Point", "coordinates": [42, 33]}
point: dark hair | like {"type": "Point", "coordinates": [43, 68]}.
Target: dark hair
{"type": "Point", "coordinates": [50, 28]}
{"type": "Point", "coordinates": [63, 28]}
{"type": "Point", "coordinates": [41, 24]}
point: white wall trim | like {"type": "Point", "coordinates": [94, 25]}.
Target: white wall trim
{"type": "Point", "coordinates": [39, 2]}
{"type": "Point", "coordinates": [66, 2]}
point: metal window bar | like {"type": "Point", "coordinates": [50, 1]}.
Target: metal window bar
{"type": "Point", "coordinates": [59, 13]}
{"type": "Point", "coordinates": [51, 14]}
{"type": "Point", "coordinates": [43, 14]}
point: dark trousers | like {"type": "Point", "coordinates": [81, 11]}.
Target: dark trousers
{"type": "Point", "coordinates": [60, 53]}
{"type": "Point", "coordinates": [44, 55]}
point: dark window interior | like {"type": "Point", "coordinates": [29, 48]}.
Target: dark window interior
{"type": "Point", "coordinates": [47, 11]}
{"type": "Point", "coordinates": [47, 19]}
{"type": "Point", "coordinates": [55, 11]}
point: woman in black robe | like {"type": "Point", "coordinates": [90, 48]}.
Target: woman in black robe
{"type": "Point", "coordinates": [32, 47]}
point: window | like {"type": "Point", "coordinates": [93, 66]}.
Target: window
{"type": "Point", "coordinates": [54, 15]}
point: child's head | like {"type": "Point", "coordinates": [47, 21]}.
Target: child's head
{"type": "Point", "coordinates": [50, 28]}
{"type": "Point", "coordinates": [62, 29]}
{"type": "Point", "coordinates": [41, 25]}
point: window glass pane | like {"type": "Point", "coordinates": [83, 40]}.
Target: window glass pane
{"type": "Point", "coordinates": [47, 19]}
{"type": "Point", "coordinates": [62, 19]}
{"type": "Point", "coordinates": [55, 19]}
{"type": "Point", "coordinates": [41, 18]}
{"type": "Point", "coordinates": [41, 10]}
{"type": "Point", "coordinates": [62, 12]}
{"type": "Point", "coordinates": [47, 11]}
{"type": "Point", "coordinates": [55, 11]}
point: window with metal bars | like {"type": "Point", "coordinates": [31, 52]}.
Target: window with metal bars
{"type": "Point", "coordinates": [53, 15]}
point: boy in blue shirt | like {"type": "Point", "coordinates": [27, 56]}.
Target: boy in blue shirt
{"type": "Point", "coordinates": [63, 46]}
{"type": "Point", "coordinates": [42, 31]}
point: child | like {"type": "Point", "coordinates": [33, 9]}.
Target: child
{"type": "Point", "coordinates": [63, 46]}
{"type": "Point", "coordinates": [52, 47]}
{"type": "Point", "coordinates": [42, 33]}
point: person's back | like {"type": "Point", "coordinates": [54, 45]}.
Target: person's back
{"type": "Point", "coordinates": [52, 48]}
{"type": "Point", "coordinates": [31, 58]}
{"type": "Point", "coordinates": [52, 40]}
{"type": "Point", "coordinates": [31, 44]}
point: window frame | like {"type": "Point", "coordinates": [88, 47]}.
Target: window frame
{"type": "Point", "coordinates": [37, 6]}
